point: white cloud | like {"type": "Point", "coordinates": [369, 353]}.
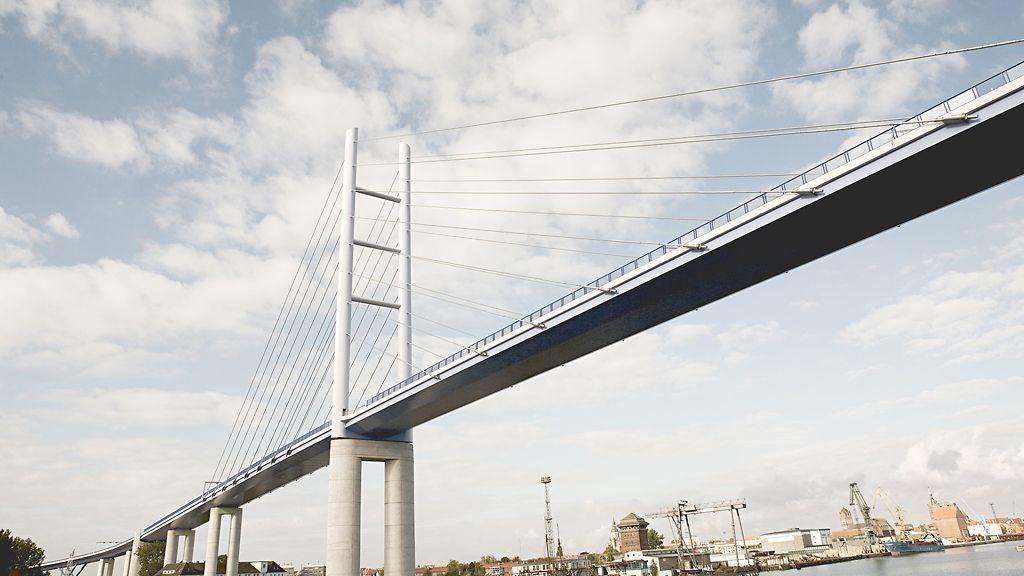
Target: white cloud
{"type": "Point", "coordinates": [112, 143]}
{"type": "Point", "coordinates": [175, 137]}
{"type": "Point", "coordinates": [60, 226]}
{"type": "Point", "coordinates": [19, 239]}
{"type": "Point", "coordinates": [171, 139]}
{"type": "Point", "coordinates": [113, 315]}
{"type": "Point", "coordinates": [138, 408]}
{"type": "Point", "coordinates": [937, 398]}
{"type": "Point", "coordinates": [738, 339]}
{"type": "Point", "coordinates": [856, 33]}
{"type": "Point", "coordinates": [917, 10]}
{"type": "Point", "coordinates": [959, 316]}
{"type": "Point", "coordinates": [836, 36]}
{"type": "Point", "coordinates": [990, 452]}
{"type": "Point", "coordinates": [186, 30]}
{"type": "Point", "coordinates": [804, 305]}
{"type": "Point", "coordinates": [16, 240]}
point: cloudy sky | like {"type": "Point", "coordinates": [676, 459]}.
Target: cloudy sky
{"type": "Point", "coordinates": [165, 163]}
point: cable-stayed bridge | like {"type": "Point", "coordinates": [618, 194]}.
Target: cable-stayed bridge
{"type": "Point", "coordinates": [329, 391]}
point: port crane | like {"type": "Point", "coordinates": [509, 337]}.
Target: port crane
{"type": "Point", "coordinates": [680, 517]}
{"type": "Point", "coordinates": [895, 509]}
{"type": "Point", "coordinates": [858, 502]}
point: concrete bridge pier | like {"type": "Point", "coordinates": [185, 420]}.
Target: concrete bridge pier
{"type": "Point", "coordinates": [344, 504]}
{"type": "Point", "coordinates": [213, 541]}
{"type": "Point", "coordinates": [171, 548]}
{"type": "Point", "coordinates": [190, 545]}
{"type": "Point", "coordinates": [131, 559]}
{"type": "Point", "coordinates": [106, 567]}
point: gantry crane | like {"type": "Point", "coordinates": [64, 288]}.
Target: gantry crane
{"type": "Point", "coordinates": [680, 517]}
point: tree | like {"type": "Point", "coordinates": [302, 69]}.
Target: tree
{"type": "Point", "coordinates": [21, 554]}
{"type": "Point", "coordinates": [456, 568]}
{"type": "Point", "coordinates": [488, 559]}
{"type": "Point", "coordinates": [151, 557]}
{"type": "Point", "coordinates": [654, 540]}
{"type": "Point", "coordinates": [609, 553]}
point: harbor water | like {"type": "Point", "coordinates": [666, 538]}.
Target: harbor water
{"type": "Point", "coordinates": [989, 560]}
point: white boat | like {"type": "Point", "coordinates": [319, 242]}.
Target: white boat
{"type": "Point", "coordinates": [1020, 547]}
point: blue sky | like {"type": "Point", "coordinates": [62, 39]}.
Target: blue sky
{"type": "Point", "coordinates": [164, 164]}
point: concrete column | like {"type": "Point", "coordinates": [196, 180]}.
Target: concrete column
{"type": "Point", "coordinates": [343, 505]}
{"type": "Point", "coordinates": [234, 541]}
{"type": "Point", "coordinates": [343, 508]}
{"type": "Point", "coordinates": [399, 522]}
{"type": "Point", "coordinates": [106, 567]}
{"type": "Point", "coordinates": [133, 560]}
{"type": "Point", "coordinates": [171, 547]}
{"type": "Point", "coordinates": [190, 545]}
{"type": "Point", "coordinates": [127, 562]}
{"type": "Point", "coordinates": [212, 543]}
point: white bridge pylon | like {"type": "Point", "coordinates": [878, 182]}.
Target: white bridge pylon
{"type": "Point", "coordinates": [348, 451]}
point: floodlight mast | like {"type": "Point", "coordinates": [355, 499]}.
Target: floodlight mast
{"type": "Point", "coordinates": [549, 537]}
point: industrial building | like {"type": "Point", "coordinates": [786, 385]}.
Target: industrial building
{"type": "Point", "coordinates": [949, 521]}
{"type": "Point", "coordinates": [797, 540]}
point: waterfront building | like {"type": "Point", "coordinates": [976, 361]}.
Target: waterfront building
{"type": "Point", "coordinates": [269, 568]}
{"type": "Point", "coordinates": [430, 570]}
{"type": "Point", "coordinates": [632, 533]}
{"type": "Point", "coordinates": [661, 562]}
{"type": "Point", "coordinates": [807, 541]}
{"type": "Point", "coordinates": [313, 570]}
{"type": "Point", "coordinates": [498, 568]}
{"type": "Point", "coordinates": [1013, 526]}
{"type": "Point", "coordinates": [569, 565]}
{"type": "Point", "coordinates": [949, 521]}
{"type": "Point", "coordinates": [990, 529]}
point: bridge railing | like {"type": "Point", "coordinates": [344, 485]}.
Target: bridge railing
{"type": "Point", "coordinates": [209, 493]}
{"type": "Point", "coordinates": [794, 183]}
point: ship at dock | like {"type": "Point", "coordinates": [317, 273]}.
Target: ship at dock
{"type": "Point", "coordinates": [903, 547]}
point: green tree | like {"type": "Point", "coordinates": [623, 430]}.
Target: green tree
{"type": "Point", "coordinates": [488, 559]}
{"type": "Point", "coordinates": [505, 559]}
{"type": "Point", "coordinates": [609, 552]}
{"type": "Point", "coordinates": [21, 554]}
{"type": "Point", "coordinates": [151, 557]}
{"type": "Point", "coordinates": [654, 540]}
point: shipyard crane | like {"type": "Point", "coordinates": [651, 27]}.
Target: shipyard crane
{"type": "Point", "coordinates": [680, 515]}
{"type": "Point", "coordinates": [858, 502]}
{"type": "Point", "coordinates": [892, 507]}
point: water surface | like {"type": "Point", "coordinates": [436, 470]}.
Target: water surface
{"type": "Point", "coordinates": [988, 560]}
